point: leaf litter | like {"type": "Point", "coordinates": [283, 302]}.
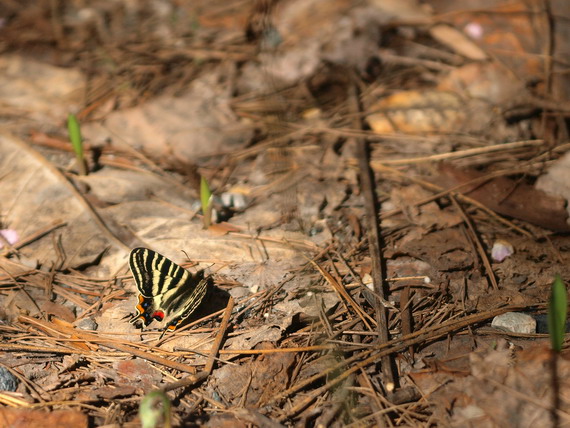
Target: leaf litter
{"type": "Point", "coordinates": [377, 160]}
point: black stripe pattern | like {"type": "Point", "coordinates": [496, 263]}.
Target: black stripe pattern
{"type": "Point", "coordinates": [168, 292]}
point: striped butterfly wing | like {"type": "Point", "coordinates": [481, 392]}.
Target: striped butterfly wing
{"type": "Point", "coordinates": [168, 292]}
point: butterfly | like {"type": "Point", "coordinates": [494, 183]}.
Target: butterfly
{"type": "Point", "coordinates": [168, 292]}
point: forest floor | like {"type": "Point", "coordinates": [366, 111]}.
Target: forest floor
{"type": "Point", "coordinates": [388, 181]}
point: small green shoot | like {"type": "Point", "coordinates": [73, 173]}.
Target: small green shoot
{"type": "Point", "coordinates": [76, 142]}
{"type": "Point", "coordinates": [206, 200]}
{"type": "Point", "coordinates": [152, 413]}
{"type": "Point", "coordinates": [557, 312]}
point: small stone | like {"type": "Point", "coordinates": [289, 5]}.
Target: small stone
{"type": "Point", "coordinates": [233, 200]}
{"type": "Point", "coordinates": [87, 324]}
{"type": "Point", "coordinates": [9, 235]}
{"type": "Point", "coordinates": [515, 322]}
{"type": "Point", "coordinates": [367, 280]}
{"type": "Point", "coordinates": [501, 250]}
{"type": "Point", "coordinates": [226, 199]}
{"type": "Point", "coordinates": [8, 382]}
{"type": "Point", "coordinates": [240, 201]}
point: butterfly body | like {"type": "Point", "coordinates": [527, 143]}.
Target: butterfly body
{"type": "Point", "coordinates": [168, 292]}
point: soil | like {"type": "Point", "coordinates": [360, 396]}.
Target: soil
{"type": "Point", "coordinates": [334, 205]}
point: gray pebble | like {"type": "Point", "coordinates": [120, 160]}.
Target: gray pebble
{"type": "Point", "coordinates": [8, 382]}
{"type": "Point", "coordinates": [515, 322]}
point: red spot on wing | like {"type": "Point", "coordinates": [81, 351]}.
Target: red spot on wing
{"type": "Point", "coordinates": [158, 315]}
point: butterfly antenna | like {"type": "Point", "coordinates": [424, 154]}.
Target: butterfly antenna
{"type": "Point", "coordinates": [138, 317]}
{"type": "Point", "coordinates": [133, 318]}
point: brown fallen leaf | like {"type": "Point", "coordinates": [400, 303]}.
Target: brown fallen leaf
{"type": "Point", "coordinates": [256, 381]}
{"type": "Point", "coordinates": [59, 311]}
{"type": "Point", "coordinates": [219, 229]}
{"type": "Point", "coordinates": [417, 112]}
{"type": "Point", "coordinates": [26, 418]}
{"type": "Point", "coordinates": [508, 197]}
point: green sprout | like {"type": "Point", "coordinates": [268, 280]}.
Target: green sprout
{"type": "Point", "coordinates": [206, 199]}
{"type": "Point", "coordinates": [76, 142]}
{"type": "Point", "coordinates": [557, 311]}
{"type": "Point", "coordinates": [150, 411]}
